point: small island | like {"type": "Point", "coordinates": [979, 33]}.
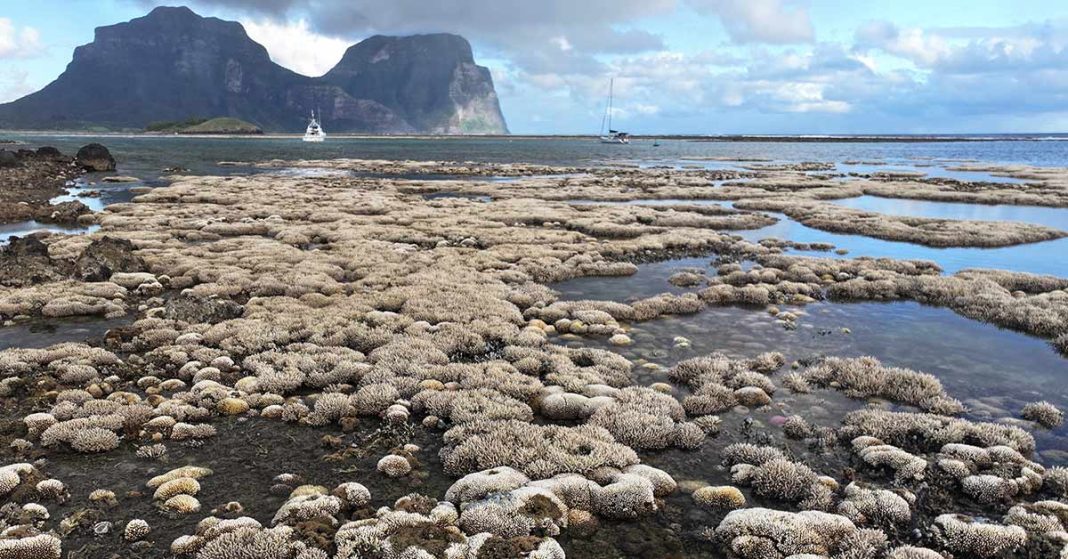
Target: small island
{"type": "Point", "coordinates": [198, 126]}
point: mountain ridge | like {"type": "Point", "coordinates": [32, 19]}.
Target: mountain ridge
{"type": "Point", "coordinates": [173, 64]}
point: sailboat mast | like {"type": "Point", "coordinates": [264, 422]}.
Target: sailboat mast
{"type": "Point", "coordinates": [611, 88]}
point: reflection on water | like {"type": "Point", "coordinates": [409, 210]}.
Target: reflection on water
{"type": "Point", "coordinates": [928, 170]}
{"type": "Point", "coordinates": [27, 227]}
{"type": "Point", "coordinates": [994, 371]}
{"type": "Point", "coordinates": [1049, 257]}
{"type": "Point", "coordinates": [650, 279]}
{"type": "Point", "coordinates": [45, 332]}
{"type": "Point", "coordinates": [1050, 217]}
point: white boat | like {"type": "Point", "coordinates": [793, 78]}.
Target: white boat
{"type": "Point", "coordinates": [314, 133]}
{"type": "Point", "coordinates": [613, 136]}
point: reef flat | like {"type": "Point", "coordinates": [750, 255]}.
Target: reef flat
{"type": "Point", "coordinates": [372, 362]}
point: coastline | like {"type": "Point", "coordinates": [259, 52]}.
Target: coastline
{"type": "Point", "coordinates": [722, 138]}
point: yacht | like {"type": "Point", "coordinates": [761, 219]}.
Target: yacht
{"type": "Point", "coordinates": [613, 136]}
{"type": "Point", "coordinates": [314, 133]}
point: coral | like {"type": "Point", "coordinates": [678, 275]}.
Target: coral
{"type": "Point", "coordinates": [719, 498]}
{"type": "Point", "coordinates": [52, 489]}
{"type": "Point", "coordinates": [179, 486]}
{"type": "Point", "coordinates": [967, 536]}
{"type": "Point", "coordinates": [628, 496]}
{"type": "Point", "coordinates": [301, 508]}
{"type": "Point", "coordinates": [520, 512]}
{"type": "Point", "coordinates": [353, 495]}
{"type": "Point", "coordinates": [864, 505]}
{"type": "Point", "coordinates": [759, 533]}
{"type": "Point", "coordinates": [183, 504]}
{"type": "Point", "coordinates": [1043, 413]}
{"type": "Point", "coordinates": [479, 485]}
{"type": "Point", "coordinates": [906, 466]}
{"type": "Point", "coordinates": [536, 451]}
{"type": "Point", "coordinates": [921, 430]}
{"type": "Point", "coordinates": [910, 552]}
{"type": "Point", "coordinates": [393, 465]}
{"type": "Point", "coordinates": [866, 377]}
{"type": "Point", "coordinates": [643, 418]}
{"type": "Point", "coordinates": [136, 530]}
{"type": "Point", "coordinates": [41, 546]}
{"type": "Point", "coordinates": [1055, 478]}
{"type": "Point", "coordinates": [194, 472]}
{"type": "Point", "coordinates": [12, 475]}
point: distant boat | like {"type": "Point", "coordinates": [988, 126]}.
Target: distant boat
{"type": "Point", "coordinates": [656, 143]}
{"type": "Point", "coordinates": [614, 136]}
{"type": "Point", "coordinates": [314, 133]}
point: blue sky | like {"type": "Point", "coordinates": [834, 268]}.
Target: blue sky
{"type": "Point", "coordinates": [681, 66]}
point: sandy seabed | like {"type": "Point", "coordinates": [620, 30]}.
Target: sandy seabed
{"type": "Point", "coordinates": [337, 366]}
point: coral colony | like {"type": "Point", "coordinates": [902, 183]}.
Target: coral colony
{"type": "Point", "coordinates": [336, 304]}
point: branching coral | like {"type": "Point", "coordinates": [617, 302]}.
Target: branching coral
{"type": "Point", "coordinates": [867, 377]}
{"type": "Point", "coordinates": [537, 451]}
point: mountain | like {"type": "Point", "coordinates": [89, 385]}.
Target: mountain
{"type": "Point", "coordinates": [172, 65]}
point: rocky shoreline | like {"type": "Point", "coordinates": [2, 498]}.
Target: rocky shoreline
{"type": "Point", "coordinates": [30, 179]}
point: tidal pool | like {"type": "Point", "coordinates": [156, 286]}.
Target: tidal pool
{"type": "Point", "coordinates": [1050, 217]}
{"type": "Point", "coordinates": [1048, 257]}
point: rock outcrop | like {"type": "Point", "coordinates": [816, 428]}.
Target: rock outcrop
{"type": "Point", "coordinates": [173, 64]}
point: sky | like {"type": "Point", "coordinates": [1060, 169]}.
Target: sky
{"type": "Point", "coordinates": [680, 66]}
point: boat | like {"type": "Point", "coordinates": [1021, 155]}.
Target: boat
{"type": "Point", "coordinates": [314, 133]}
{"type": "Point", "coordinates": [614, 136]}
{"type": "Point", "coordinates": [656, 143]}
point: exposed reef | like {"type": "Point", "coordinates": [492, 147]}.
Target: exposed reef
{"type": "Point", "coordinates": [341, 367]}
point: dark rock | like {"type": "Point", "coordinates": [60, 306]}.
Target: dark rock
{"type": "Point", "coordinates": [95, 157]}
{"type": "Point", "coordinates": [198, 309]}
{"type": "Point", "coordinates": [49, 152]}
{"type": "Point", "coordinates": [66, 213]}
{"type": "Point", "coordinates": [172, 65]}
{"type": "Point", "coordinates": [106, 256]}
{"type": "Point", "coordinates": [8, 159]}
{"type": "Point", "coordinates": [25, 261]}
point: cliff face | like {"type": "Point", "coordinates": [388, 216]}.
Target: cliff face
{"type": "Point", "coordinates": [173, 64]}
{"type": "Point", "coordinates": [431, 81]}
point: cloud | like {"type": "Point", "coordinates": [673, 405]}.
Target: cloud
{"type": "Point", "coordinates": [590, 26]}
{"type": "Point", "coordinates": [14, 83]}
{"type": "Point", "coordinates": [912, 44]}
{"type": "Point", "coordinates": [296, 47]}
{"type": "Point", "coordinates": [18, 43]}
{"type": "Point", "coordinates": [760, 21]}
{"type": "Point", "coordinates": [552, 60]}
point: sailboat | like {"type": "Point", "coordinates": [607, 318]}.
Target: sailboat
{"type": "Point", "coordinates": [614, 136]}
{"type": "Point", "coordinates": [314, 133]}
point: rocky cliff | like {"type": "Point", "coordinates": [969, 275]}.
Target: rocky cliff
{"type": "Point", "coordinates": [174, 64]}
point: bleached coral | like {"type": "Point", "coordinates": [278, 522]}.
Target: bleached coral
{"type": "Point", "coordinates": [968, 536]}
{"type": "Point", "coordinates": [1043, 413]}
{"type": "Point", "coordinates": [136, 530]}
{"type": "Point", "coordinates": [865, 505]}
{"type": "Point", "coordinates": [41, 546]}
{"type": "Point", "coordinates": [867, 377]}
{"type": "Point", "coordinates": [537, 451]}
{"type": "Point", "coordinates": [759, 533]}
{"type": "Point", "coordinates": [719, 497]}
{"type": "Point", "coordinates": [393, 465]}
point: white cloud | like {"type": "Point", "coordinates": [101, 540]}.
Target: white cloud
{"type": "Point", "coordinates": [18, 43]}
{"type": "Point", "coordinates": [912, 44]}
{"type": "Point", "coordinates": [297, 47]}
{"type": "Point", "coordinates": [761, 21]}
{"type": "Point", "coordinates": [14, 83]}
